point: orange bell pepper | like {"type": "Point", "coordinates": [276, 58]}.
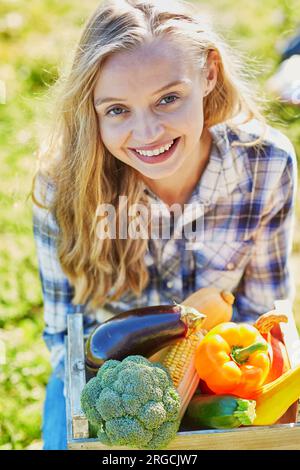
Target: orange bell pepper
{"type": "Point", "coordinates": [233, 359]}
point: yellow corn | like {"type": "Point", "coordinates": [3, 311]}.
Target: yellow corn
{"type": "Point", "coordinates": [179, 357]}
{"type": "Point", "coordinates": [179, 360]}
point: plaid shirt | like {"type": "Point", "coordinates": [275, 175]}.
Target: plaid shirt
{"type": "Point", "coordinates": [246, 199]}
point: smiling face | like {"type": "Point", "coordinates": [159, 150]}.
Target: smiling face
{"type": "Point", "coordinates": [142, 115]}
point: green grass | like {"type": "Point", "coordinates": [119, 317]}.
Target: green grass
{"type": "Point", "coordinates": [35, 38]}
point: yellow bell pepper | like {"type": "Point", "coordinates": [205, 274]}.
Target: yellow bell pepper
{"type": "Point", "coordinates": [233, 359]}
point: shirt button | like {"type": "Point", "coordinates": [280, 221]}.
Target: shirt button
{"type": "Point", "coordinates": [169, 284]}
{"type": "Point", "coordinates": [230, 266]}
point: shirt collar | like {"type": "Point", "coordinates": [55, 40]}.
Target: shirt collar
{"type": "Point", "coordinates": [227, 170]}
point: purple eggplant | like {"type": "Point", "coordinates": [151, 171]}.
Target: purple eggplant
{"type": "Point", "coordinates": [142, 331]}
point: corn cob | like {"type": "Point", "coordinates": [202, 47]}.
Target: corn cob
{"type": "Point", "coordinates": [179, 360]}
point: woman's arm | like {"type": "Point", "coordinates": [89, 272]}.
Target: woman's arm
{"type": "Point", "coordinates": [56, 289]}
{"type": "Point", "coordinates": [268, 276]}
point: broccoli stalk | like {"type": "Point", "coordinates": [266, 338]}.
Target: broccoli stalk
{"type": "Point", "coordinates": [133, 403]}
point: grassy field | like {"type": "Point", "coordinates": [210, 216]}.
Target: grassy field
{"type": "Point", "coordinates": [35, 38]}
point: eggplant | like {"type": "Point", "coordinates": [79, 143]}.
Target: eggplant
{"type": "Point", "coordinates": [142, 331]}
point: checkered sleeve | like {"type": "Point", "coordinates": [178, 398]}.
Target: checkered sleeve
{"type": "Point", "coordinates": [268, 275]}
{"type": "Point", "coordinates": [56, 289]}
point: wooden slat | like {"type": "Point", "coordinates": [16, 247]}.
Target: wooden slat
{"type": "Point", "coordinates": [277, 437]}
{"type": "Point", "coordinates": [68, 402]}
{"type": "Point", "coordinates": [76, 371]}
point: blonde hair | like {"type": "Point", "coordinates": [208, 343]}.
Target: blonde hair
{"type": "Point", "coordinates": [83, 171]}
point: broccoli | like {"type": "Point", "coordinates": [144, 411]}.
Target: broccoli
{"type": "Point", "coordinates": [132, 402]}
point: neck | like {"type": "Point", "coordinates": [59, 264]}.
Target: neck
{"type": "Point", "coordinates": [179, 187]}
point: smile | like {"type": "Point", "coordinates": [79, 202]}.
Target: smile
{"type": "Point", "coordinates": [167, 152]}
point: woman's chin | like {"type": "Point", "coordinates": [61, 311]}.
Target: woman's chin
{"type": "Point", "coordinates": [160, 171]}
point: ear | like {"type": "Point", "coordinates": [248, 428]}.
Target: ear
{"type": "Point", "coordinates": [210, 72]}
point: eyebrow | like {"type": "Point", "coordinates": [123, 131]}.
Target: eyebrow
{"type": "Point", "coordinates": [100, 101]}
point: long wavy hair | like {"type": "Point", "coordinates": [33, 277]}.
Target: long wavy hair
{"type": "Point", "coordinates": [83, 171]}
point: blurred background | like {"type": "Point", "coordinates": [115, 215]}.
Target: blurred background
{"type": "Point", "coordinates": [35, 42]}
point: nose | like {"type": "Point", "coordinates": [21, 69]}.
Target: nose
{"type": "Point", "coordinates": [147, 129]}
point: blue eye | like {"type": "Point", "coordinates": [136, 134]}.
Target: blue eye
{"type": "Point", "coordinates": [171, 96]}
{"type": "Point", "coordinates": [112, 109]}
{"type": "Point", "coordinates": [119, 108]}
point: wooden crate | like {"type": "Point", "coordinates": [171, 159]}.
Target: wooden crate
{"type": "Point", "coordinates": [284, 435]}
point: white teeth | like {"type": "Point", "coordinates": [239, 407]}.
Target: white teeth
{"type": "Point", "coordinates": [156, 151]}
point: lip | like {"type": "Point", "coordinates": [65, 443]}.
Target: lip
{"type": "Point", "coordinates": [159, 158]}
{"type": "Point", "coordinates": [151, 147]}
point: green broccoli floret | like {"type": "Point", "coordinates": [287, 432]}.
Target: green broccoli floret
{"type": "Point", "coordinates": [133, 402]}
{"type": "Point", "coordinates": [89, 396]}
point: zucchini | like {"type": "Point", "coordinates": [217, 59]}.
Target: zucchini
{"type": "Point", "coordinates": [220, 411]}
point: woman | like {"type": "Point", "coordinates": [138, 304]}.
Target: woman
{"type": "Point", "coordinates": [155, 109]}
